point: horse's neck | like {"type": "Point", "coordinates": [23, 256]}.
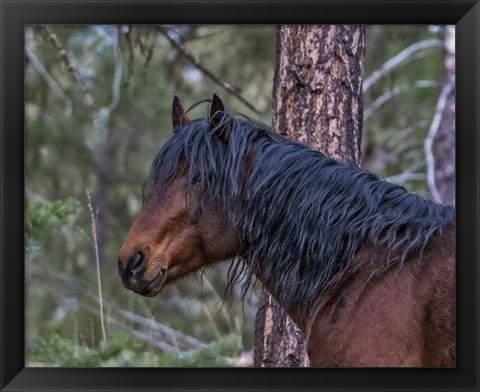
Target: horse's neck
{"type": "Point", "coordinates": [369, 270]}
{"type": "Point", "coordinates": [380, 315]}
{"type": "Point", "coordinates": [368, 266]}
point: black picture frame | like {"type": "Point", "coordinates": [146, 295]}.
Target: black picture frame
{"type": "Point", "coordinates": [465, 14]}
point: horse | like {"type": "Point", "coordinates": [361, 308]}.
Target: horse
{"type": "Point", "coordinates": [363, 267]}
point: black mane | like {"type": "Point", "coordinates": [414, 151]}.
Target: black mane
{"type": "Point", "coordinates": [302, 215]}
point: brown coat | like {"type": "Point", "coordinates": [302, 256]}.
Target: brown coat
{"type": "Point", "coordinates": [403, 316]}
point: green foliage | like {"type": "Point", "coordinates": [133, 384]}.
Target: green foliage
{"type": "Point", "coordinates": [123, 351]}
{"type": "Point", "coordinates": [41, 217]}
{"type": "Point", "coordinates": [44, 217]}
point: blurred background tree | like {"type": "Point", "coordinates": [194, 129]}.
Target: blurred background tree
{"type": "Point", "coordinates": [97, 110]}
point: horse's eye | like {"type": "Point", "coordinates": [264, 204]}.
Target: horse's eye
{"type": "Point", "coordinates": [195, 180]}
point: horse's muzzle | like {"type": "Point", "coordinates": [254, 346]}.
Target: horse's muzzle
{"type": "Point", "coordinates": [132, 275]}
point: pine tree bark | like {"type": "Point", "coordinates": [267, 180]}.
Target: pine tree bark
{"type": "Point", "coordinates": [317, 99]}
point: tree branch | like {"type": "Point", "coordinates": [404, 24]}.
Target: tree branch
{"type": "Point", "coordinates": [408, 174]}
{"type": "Point", "coordinates": [52, 83]}
{"type": "Point", "coordinates": [190, 57]}
{"type": "Point", "coordinates": [62, 53]}
{"type": "Point", "coordinates": [150, 324]}
{"type": "Point", "coordinates": [405, 55]}
{"type": "Point", "coordinates": [429, 141]}
{"type": "Point", "coordinates": [393, 142]}
{"type": "Point", "coordinates": [388, 95]}
{"type": "Point", "coordinates": [72, 303]}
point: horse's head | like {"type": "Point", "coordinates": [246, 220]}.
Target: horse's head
{"type": "Point", "coordinates": [177, 232]}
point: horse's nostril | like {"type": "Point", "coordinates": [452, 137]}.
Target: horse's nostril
{"type": "Point", "coordinates": [136, 262]}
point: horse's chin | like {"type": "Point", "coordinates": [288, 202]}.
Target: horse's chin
{"type": "Point", "coordinates": [164, 277]}
{"type": "Point", "coordinates": [156, 285]}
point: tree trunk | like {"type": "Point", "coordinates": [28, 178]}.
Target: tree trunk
{"type": "Point", "coordinates": [317, 99]}
{"type": "Point", "coordinates": [440, 145]}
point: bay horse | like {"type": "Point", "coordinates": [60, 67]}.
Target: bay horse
{"type": "Point", "coordinates": [364, 268]}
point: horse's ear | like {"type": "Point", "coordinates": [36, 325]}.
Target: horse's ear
{"type": "Point", "coordinates": [218, 122]}
{"type": "Point", "coordinates": [178, 114]}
